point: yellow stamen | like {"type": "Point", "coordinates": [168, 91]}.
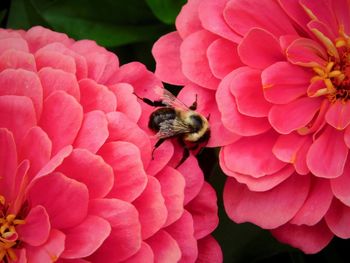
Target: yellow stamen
{"type": "Point", "coordinates": [334, 73]}
{"type": "Point", "coordinates": [8, 234]}
{"type": "Point", "coordinates": [2, 200]}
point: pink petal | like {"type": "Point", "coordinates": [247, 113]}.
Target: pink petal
{"type": "Point", "coordinates": [15, 43]}
{"type": "Point", "coordinates": [294, 115]}
{"type": "Point", "coordinates": [325, 14]}
{"type": "Point", "coordinates": [130, 177]}
{"type": "Point", "coordinates": [294, 10]}
{"type": "Point", "coordinates": [347, 137]}
{"type": "Point", "coordinates": [126, 229]}
{"type": "Point", "coordinates": [96, 97]}
{"type": "Point", "coordinates": [162, 156]}
{"type": "Point", "coordinates": [76, 260]}
{"type": "Point", "coordinates": [281, 203]}
{"type": "Point", "coordinates": [20, 186]}
{"type": "Point", "coordinates": [151, 207]}
{"type": "Point", "coordinates": [260, 184]}
{"type": "Point", "coordinates": [56, 79]}
{"type": "Point", "coordinates": [338, 219]}
{"type": "Point", "coordinates": [164, 247]}
{"type": "Point", "coordinates": [260, 49]}
{"type": "Point", "coordinates": [287, 146]}
{"type": "Point", "coordinates": [247, 88]}
{"type": "Point", "coordinates": [80, 63]}
{"type": "Point", "coordinates": [50, 251]}
{"type": "Point", "coordinates": [56, 60]}
{"type": "Point", "coordinates": [242, 16]}
{"type": "Point", "coordinates": [300, 164]}
{"type": "Point", "coordinates": [338, 115]}
{"type": "Point", "coordinates": [252, 155]}
{"type": "Point", "coordinates": [194, 179]}
{"type": "Point", "coordinates": [66, 202]}
{"type": "Point", "coordinates": [318, 122]}
{"type": "Point", "coordinates": [280, 85]}
{"type": "Point", "coordinates": [182, 231]}
{"type": "Point", "coordinates": [219, 135]}
{"type": "Point", "coordinates": [210, 15]}
{"type": "Point", "coordinates": [89, 169]}
{"type": "Point", "coordinates": [166, 52]}
{"type": "Point", "coordinates": [62, 115]}
{"type": "Point", "coordinates": [54, 162]}
{"type": "Point", "coordinates": [292, 148]}
{"type": "Point", "coordinates": [145, 254]}
{"type": "Point", "coordinates": [342, 14]}
{"type": "Point", "coordinates": [204, 211]}
{"type": "Point", "coordinates": [17, 81]}
{"type": "Point", "coordinates": [127, 101]}
{"type": "Point", "coordinates": [230, 116]}
{"type": "Point", "coordinates": [172, 184]}
{"type": "Point", "coordinates": [8, 164]}
{"type": "Point", "coordinates": [340, 185]}
{"type": "Point", "coordinates": [209, 251]}
{"type": "Point", "coordinates": [39, 36]}
{"type": "Point", "coordinates": [93, 132]}
{"type": "Point", "coordinates": [326, 159]}
{"type": "Point", "coordinates": [187, 21]}
{"type": "Point", "coordinates": [306, 52]}
{"type": "Point", "coordinates": [85, 238]}
{"type": "Point", "coordinates": [137, 75]}
{"type": "Point", "coordinates": [101, 63]}
{"type": "Point", "coordinates": [17, 59]}
{"type": "Point", "coordinates": [310, 239]}
{"type": "Point", "coordinates": [122, 128]}
{"type": "Point", "coordinates": [316, 204]}
{"type": "Point", "coordinates": [17, 115]}
{"type": "Point", "coordinates": [195, 65]}
{"type": "Point", "coordinates": [223, 57]}
{"type": "Point", "coordinates": [5, 33]}
{"type": "Point", "coordinates": [38, 153]}
{"type": "Point", "coordinates": [37, 228]}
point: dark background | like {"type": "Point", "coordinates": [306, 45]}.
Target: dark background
{"type": "Point", "coordinates": [129, 28]}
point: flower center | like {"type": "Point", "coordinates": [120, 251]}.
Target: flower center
{"type": "Point", "coordinates": [8, 235]}
{"type": "Point", "coordinates": [336, 73]}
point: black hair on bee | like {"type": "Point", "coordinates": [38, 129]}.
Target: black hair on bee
{"type": "Point", "coordinates": [173, 119]}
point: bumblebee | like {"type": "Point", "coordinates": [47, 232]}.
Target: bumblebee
{"type": "Point", "coordinates": [173, 119]}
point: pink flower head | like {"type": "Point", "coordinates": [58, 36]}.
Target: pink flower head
{"type": "Point", "coordinates": [276, 74]}
{"type": "Point", "coordinates": [77, 183]}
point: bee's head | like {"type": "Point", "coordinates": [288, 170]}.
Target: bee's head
{"type": "Point", "coordinates": [200, 128]}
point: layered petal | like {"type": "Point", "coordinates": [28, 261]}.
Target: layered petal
{"type": "Point", "coordinates": [125, 229]}
{"type": "Point", "coordinates": [310, 239]}
{"type": "Point", "coordinates": [66, 203]}
{"type": "Point", "coordinates": [280, 203]}
{"type": "Point", "coordinates": [165, 50]}
{"type": "Point", "coordinates": [333, 155]}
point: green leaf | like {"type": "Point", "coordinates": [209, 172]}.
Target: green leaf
{"type": "Point", "coordinates": [24, 15]}
{"type": "Point", "coordinates": [166, 10]}
{"type": "Point", "coordinates": [109, 23]}
{"type": "Point", "coordinates": [105, 34]}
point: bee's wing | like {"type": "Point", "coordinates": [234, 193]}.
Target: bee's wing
{"type": "Point", "coordinates": [172, 128]}
{"type": "Point", "coordinates": [170, 100]}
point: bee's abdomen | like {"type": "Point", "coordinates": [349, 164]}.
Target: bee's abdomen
{"type": "Point", "coordinates": [160, 115]}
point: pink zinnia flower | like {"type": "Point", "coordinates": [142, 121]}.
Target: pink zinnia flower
{"type": "Point", "coordinates": [276, 74]}
{"type": "Point", "coordinates": [77, 183]}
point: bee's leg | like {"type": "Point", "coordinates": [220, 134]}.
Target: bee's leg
{"type": "Point", "coordinates": [156, 103]}
{"type": "Point", "coordinates": [158, 143]}
{"type": "Point", "coordinates": [194, 105]}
